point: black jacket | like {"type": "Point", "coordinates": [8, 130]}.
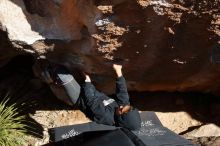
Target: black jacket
{"type": "Point", "coordinates": [101, 108]}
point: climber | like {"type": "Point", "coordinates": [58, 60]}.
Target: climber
{"type": "Point", "coordinates": [109, 111]}
{"type": "Point", "coordinates": [96, 105]}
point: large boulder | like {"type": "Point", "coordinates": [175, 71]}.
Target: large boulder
{"type": "Point", "coordinates": [164, 44]}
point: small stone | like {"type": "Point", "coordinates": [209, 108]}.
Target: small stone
{"type": "Point", "coordinates": [138, 31]}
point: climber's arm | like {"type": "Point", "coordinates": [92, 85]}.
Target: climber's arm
{"type": "Point", "coordinates": [122, 96]}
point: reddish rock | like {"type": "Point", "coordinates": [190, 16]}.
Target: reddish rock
{"type": "Point", "coordinates": [164, 45]}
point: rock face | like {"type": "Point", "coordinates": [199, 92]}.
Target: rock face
{"type": "Point", "coordinates": [164, 44]}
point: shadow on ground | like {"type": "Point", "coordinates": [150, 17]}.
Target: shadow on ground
{"type": "Point", "coordinates": [202, 107]}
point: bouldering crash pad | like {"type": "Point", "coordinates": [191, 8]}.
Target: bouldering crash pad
{"type": "Point", "coordinates": [152, 133]}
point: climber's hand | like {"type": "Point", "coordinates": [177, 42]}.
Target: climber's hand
{"type": "Point", "coordinates": [46, 77]}
{"type": "Point", "coordinates": [123, 109]}
{"type": "Point", "coordinates": [87, 77]}
{"type": "Point", "coordinates": [118, 69]}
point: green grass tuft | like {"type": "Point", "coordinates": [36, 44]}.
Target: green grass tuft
{"type": "Point", "coordinates": [12, 129]}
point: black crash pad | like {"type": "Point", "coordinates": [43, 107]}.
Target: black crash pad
{"type": "Point", "coordinates": [152, 133]}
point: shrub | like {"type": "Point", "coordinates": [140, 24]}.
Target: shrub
{"type": "Point", "coordinates": [12, 128]}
